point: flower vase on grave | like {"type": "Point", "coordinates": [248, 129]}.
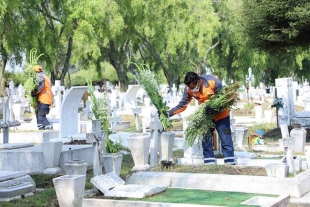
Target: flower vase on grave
{"type": "Point", "coordinates": [112, 162]}
{"type": "Point", "coordinates": [139, 145]}
{"type": "Point", "coordinates": [239, 136]}
{"type": "Point", "coordinates": [75, 167]}
{"type": "Point", "coordinates": [167, 142]}
{"type": "Point", "coordinates": [70, 190]}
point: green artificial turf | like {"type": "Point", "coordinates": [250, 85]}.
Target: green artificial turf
{"type": "Point", "coordinates": [202, 197]}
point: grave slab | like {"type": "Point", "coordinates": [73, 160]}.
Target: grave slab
{"type": "Point", "coordinates": [31, 159]}
{"type": "Point", "coordinates": [15, 145]}
{"type": "Point", "coordinates": [134, 191]}
{"type": "Point", "coordinates": [31, 137]}
{"type": "Point", "coordinates": [106, 182]}
{"type": "Point", "coordinates": [52, 171]}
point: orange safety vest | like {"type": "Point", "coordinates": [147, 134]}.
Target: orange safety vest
{"type": "Point", "coordinates": [45, 96]}
{"type": "Point", "coordinates": [210, 84]}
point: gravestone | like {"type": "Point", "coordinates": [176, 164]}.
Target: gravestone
{"type": "Point", "coordinates": [285, 91]}
{"type": "Point", "coordinates": [68, 122]}
{"type": "Point", "coordinates": [156, 129]}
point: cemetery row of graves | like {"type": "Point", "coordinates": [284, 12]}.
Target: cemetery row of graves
{"type": "Point", "coordinates": [139, 162]}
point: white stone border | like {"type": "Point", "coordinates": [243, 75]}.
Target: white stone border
{"type": "Point", "coordinates": [295, 187]}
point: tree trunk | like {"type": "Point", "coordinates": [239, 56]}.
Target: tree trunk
{"type": "Point", "coordinates": [231, 59]}
{"type": "Point", "coordinates": [67, 61]}
{"type": "Point", "coordinates": [4, 60]}
{"type": "Point", "coordinates": [2, 78]}
{"type": "Point", "coordinates": [117, 60]}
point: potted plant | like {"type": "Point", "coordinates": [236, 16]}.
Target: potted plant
{"type": "Point", "coordinates": [148, 81]}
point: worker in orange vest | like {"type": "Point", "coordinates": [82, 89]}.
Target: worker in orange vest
{"type": "Point", "coordinates": [44, 96]}
{"type": "Point", "coordinates": [201, 88]}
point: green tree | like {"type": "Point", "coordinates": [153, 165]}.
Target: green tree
{"type": "Point", "coordinates": [273, 25]}
{"type": "Point", "coordinates": [176, 35]}
{"type": "Point", "coordinates": [11, 27]}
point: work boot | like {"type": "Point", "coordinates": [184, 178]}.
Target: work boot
{"type": "Point", "coordinates": [40, 127]}
{"type": "Point", "coordinates": [48, 127]}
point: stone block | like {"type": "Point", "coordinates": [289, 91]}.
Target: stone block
{"type": "Point", "coordinates": [52, 171]}
{"type": "Point", "coordinates": [51, 152]}
{"type": "Point", "coordinates": [277, 170]}
{"type": "Point", "coordinates": [106, 182]}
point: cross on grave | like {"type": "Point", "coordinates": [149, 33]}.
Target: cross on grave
{"type": "Point", "coordinates": [136, 111]}
{"type": "Point", "coordinates": [6, 123]}
{"type": "Point", "coordinates": [97, 138]}
{"type": "Point", "coordinates": [156, 129]}
{"type": "Point", "coordinates": [288, 142]}
{"type": "Point", "coordinates": [114, 119]}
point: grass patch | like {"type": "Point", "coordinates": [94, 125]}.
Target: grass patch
{"type": "Point", "coordinates": [46, 198]}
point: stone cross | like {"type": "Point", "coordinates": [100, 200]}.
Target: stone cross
{"type": "Point", "coordinates": [156, 129]}
{"type": "Point", "coordinates": [114, 119]}
{"type": "Point", "coordinates": [136, 111]}
{"type": "Point", "coordinates": [288, 142]}
{"type": "Point", "coordinates": [10, 93]}
{"type": "Point", "coordinates": [57, 89]}
{"type": "Point", "coordinates": [97, 138]}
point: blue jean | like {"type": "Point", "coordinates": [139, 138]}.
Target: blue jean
{"type": "Point", "coordinates": [223, 129]}
{"type": "Point", "coordinates": [41, 112]}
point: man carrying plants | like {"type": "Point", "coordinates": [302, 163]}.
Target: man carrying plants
{"type": "Point", "coordinates": [202, 88]}
{"type": "Point", "coordinates": [44, 96]}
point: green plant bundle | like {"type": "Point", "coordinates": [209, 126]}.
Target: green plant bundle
{"type": "Point", "coordinates": [100, 107]}
{"type": "Point", "coordinates": [113, 147]}
{"type": "Point", "coordinates": [32, 81]}
{"type": "Point", "coordinates": [200, 122]}
{"type": "Point", "coordinates": [148, 81]}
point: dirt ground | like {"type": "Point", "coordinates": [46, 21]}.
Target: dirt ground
{"type": "Point", "coordinates": [276, 134]}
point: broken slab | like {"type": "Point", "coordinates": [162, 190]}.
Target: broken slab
{"type": "Point", "coordinates": [134, 191]}
{"type": "Point", "coordinates": [107, 181]}
{"type": "Point", "coordinates": [14, 185]}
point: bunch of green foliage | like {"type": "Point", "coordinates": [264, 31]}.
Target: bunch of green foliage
{"type": "Point", "coordinates": [113, 147]}
{"type": "Point", "coordinates": [148, 81]}
{"type": "Point", "coordinates": [32, 81]}
{"type": "Point", "coordinates": [100, 107]}
{"type": "Point", "coordinates": [200, 122]}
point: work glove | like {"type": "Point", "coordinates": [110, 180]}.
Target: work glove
{"type": "Point", "coordinates": [33, 93]}
{"type": "Point", "coordinates": [211, 111]}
